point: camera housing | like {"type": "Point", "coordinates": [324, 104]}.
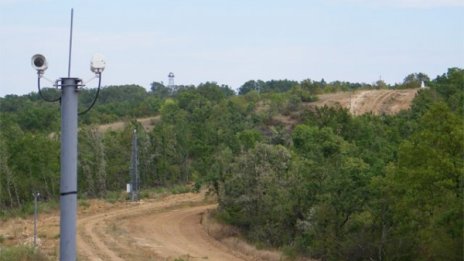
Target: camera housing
{"type": "Point", "coordinates": [97, 64]}
{"type": "Point", "coordinates": [39, 62]}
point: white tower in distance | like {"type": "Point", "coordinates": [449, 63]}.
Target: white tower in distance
{"type": "Point", "coordinates": [171, 80]}
{"type": "Point", "coordinates": [423, 85]}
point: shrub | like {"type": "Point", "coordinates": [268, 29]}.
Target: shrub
{"type": "Point", "coordinates": [23, 253]}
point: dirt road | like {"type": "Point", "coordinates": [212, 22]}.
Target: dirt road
{"type": "Point", "coordinates": [166, 229]}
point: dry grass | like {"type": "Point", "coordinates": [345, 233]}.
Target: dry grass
{"type": "Point", "coordinates": [230, 236]}
{"type": "Point", "coordinates": [368, 101]}
{"type": "Point", "coordinates": [20, 231]}
{"type": "Point", "coordinates": [147, 123]}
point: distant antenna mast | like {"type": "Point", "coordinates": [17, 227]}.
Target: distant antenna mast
{"type": "Point", "coordinates": [70, 43]}
{"type": "Point", "coordinates": [134, 173]}
{"type": "Point", "coordinates": [171, 80]}
{"type": "Point", "coordinates": [68, 155]}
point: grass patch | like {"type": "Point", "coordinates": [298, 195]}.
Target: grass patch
{"type": "Point", "coordinates": [153, 192]}
{"type": "Point", "coordinates": [27, 209]}
{"type": "Point", "coordinates": [180, 189]}
{"type": "Point", "coordinates": [23, 253]}
{"type": "Point", "coordinates": [48, 206]}
{"type": "Point", "coordinates": [115, 196]}
{"type": "Point", "coordinates": [84, 203]}
{"type": "Point", "coordinates": [162, 191]}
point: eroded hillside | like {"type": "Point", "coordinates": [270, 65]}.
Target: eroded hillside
{"type": "Point", "coordinates": [369, 101]}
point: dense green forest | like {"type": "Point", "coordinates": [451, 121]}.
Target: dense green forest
{"type": "Point", "coordinates": [331, 185]}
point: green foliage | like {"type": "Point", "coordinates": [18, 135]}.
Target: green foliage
{"type": "Point", "coordinates": [269, 86]}
{"type": "Point", "coordinates": [180, 189]}
{"type": "Point", "coordinates": [214, 92]}
{"type": "Point", "coordinates": [414, 80]}
{"type": "Point", "coordinates": [23, 253]}
{"type": "Point", "coordinates": [28, 162]}
{"type": "Point", "coordinates": [319, 87]}
{"type": "Point", "coordinates": [363, 188]}
{"type": "Point", "coordinates": [158, 89]}
{"type": "Point", "coordinates": [331, 186]}
{"type": "Point", "coordinates": [302, 95]}
{"type": "Point", "coordinates": [251, 85]}
{"type": "Point", "coordinates": [428, 184]}
{"type": "Point", "coordinates": [115, 196]}
{"type": "Point", "coordinates": [116, 102]}
{"type": "Point", "coordinates": [253, 190]}
{"type": "Point", "coordinates": [248, 138]}
{"type": "Point", "coordinates": [92, 165]}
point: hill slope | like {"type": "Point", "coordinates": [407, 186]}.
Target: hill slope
{"type": "Point", "coordinates": [369, 101]}
{"type": "Point", "coordinates": [359, 102]}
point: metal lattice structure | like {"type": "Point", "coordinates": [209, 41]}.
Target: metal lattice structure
{"type": "Point", "coordinates": [171, 80]}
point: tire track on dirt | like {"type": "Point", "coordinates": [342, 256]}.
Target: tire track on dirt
{"type": "Point", "coordinates": [90, 244]}
{"type": "Point", "coordinates": [95, 244]}
{"type": "Point", "coordinates": [376, 102]}
{"type": "Point", "coordinates": [165, 229]}
{"type": "Point", "coordinates": [179, 233]}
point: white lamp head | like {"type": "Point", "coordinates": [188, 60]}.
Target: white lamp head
{"type": "Point", "coordinates": [97, 64]}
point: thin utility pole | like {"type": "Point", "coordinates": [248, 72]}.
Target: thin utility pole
{"type": "Point", "coordinates": [36, 216]}
{"type": "Point", "coordinates": [135, 179]}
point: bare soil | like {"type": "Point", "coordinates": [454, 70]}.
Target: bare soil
{"type": "Point", "coordinates": [376, 102]}
{"type": "Point", "coordinates": [167, 228]}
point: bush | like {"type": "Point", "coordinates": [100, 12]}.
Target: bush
{"type": "Point", "coordinates": [114, 196]}
{"type": "Point", "coordinates": [180, 189]}
{"type": "Point", "coordinates": [23, 253]}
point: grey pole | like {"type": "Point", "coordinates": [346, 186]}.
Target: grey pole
{"type": "Point", "coordinates": [133, 170]}
{"type": "Point", "coordinates": [70, 43]}
{"type": "Point", "coordinates": [68, 155]}
{"type": "Point", "coordinates": [68, 182]}
{"type": "Point", "coordinates": [36, 215]}
{"type": "Point", "coordinates": [137, 176]}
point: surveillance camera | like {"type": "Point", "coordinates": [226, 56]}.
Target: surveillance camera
{"type": "Point", "coordinates": [97, 64]}
{"type": "Point", "coordinates": [39, 63]}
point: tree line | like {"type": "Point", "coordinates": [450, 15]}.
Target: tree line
{"type": "Point", "coordinates": [329, 185]}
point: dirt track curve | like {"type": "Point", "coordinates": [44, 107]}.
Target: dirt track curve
{"type": "Point", "coordinates": [163, 229]}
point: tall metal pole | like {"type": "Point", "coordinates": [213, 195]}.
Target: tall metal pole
{"type": "Point", "coordinates": [36, 215]}
{"type": "Point", "coordinates": [137, 176]}
{"type": "Point", "coordinates": [68, 155]}
{"type": "Point", "coordinates": [68, 182]}
{"type": "Point", "coordinates": [134, 171]}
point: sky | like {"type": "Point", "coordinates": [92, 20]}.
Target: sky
{"type": "Point", "coordinates": [230, 42]}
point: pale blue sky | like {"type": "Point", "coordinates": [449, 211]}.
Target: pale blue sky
{"type": "Point", "coordinates": [232, 41]}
